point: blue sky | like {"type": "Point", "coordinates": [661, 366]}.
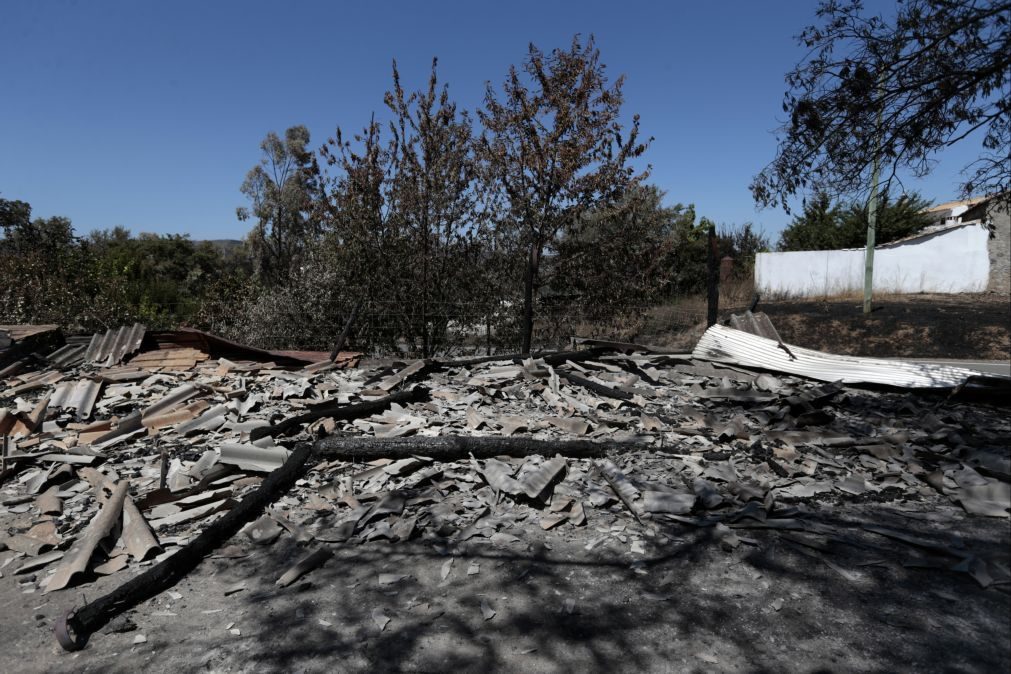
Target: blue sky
{"type": "Point", "coordinates": [148, 114]}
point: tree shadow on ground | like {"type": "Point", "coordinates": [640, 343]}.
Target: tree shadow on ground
{"type": "Point", "coordinates": [780, 601]}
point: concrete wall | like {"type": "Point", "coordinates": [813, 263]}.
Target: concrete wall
{"type": "Point", "coordinates": [953, 261]}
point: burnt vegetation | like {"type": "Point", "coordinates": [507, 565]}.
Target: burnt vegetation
{"type": "Point", "coordinates": [513, 226]}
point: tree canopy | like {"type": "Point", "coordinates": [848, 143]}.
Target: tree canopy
{"type": "Point", "coordinates": [827, 225]}
{"type": "Point", "coordinates": [554, 148]}
{"type": "Point", "coordinates": [898, 90]}
{"type": "Point", "coordinates": [278, 189]}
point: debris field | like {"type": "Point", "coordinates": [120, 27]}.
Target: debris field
{"type": "Point", "coordinates": [136, 464]}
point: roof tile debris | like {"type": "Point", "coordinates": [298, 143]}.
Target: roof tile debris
{"type": "Point", "coordinates": [730, 446]}
{"type": "Point", "coordinates": [115, 345]}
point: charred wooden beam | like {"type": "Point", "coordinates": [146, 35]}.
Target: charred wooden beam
{"type": "Point", "coordinates": [455, 447]}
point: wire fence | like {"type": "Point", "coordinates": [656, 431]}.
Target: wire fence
{"type": "Point", "coordinates": [409, 328]}
{"type": "Point", "coordinates": [393, 329]}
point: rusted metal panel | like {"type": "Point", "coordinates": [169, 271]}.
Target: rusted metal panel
{"type": "Point", "coordinates": [726, 345]}
{"type": "Point", "coordinates": [115, 345]}
{"type": "Point", "coordinates": [20, 333]}
{"type": "Point", "coordinates": [219, 347]}
{"type": "Point", "coordinates": [170, 359]}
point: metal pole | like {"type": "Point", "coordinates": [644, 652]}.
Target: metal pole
{"type": "Point", "coordinates": [872, 215]}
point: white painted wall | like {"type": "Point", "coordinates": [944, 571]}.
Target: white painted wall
{"type": "Point", "coordinates": [953, 261]}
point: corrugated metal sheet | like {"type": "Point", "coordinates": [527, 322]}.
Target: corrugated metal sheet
{"type": "Point", "coordinates": [726, 345]}
{"type": "Point", "coordinates": [757, 324]}
{"type": "Point", "coordinates": [112, 347]}
{"type": "Point", "coordinates": [68, 355]}
{"type": "Point", "coordinates": [79, 396]}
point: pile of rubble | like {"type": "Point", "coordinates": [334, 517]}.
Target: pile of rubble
{"type": "Point", "coordinates": [117, 459]}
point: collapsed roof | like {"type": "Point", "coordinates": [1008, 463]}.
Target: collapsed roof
{"type": "Point", "coordinates": [114, 467]}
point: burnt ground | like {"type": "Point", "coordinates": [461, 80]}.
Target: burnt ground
{"type": "Point", "coordinates": [685, 604]}
{"type": "Point", "coordinates": [821, 553]}
{"type": "Point", "coordinates": [910, 326]}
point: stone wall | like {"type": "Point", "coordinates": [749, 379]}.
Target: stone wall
{"type": "Point", "coordinates": [1000, 253]}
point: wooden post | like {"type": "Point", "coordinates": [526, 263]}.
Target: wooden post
{"type": "Point", "coordinates": [342, 340]}
{"type": "Point", "coordinates": [714, 279]}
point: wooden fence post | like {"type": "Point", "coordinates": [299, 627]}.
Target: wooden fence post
{"type": "Point", "coordinates": [714, 279]}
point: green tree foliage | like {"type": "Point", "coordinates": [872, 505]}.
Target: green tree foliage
{"type": "Point", "coordinates": [279, 190]}
{"type": "Point", "coordinates": [106, 279]}
{"type": "Point", "coordinates": [742, 243]}
{"type": "Point", "coordinates": [816, 228]}
{"type": "Point", "coordinates": [827, 226]}
{"type": "Point", "coordinates": [15, 216]}
{"type": "Point", "coordinates": [623, 255]}
{"type": "Point", "coordinates": [46, 274]}
{"type": "Point", "coordinates": [162, 277]}
{"type": "Point", "coordinates": [936, 72]}
{"type": "Point", "coordinates": [553, 149]}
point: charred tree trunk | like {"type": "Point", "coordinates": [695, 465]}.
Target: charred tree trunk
{"type": "Point", "coordinates": [529, 285]}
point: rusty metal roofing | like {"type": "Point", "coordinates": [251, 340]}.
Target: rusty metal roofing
{"type": "Point", "coordinates": [20, 332]}
{"type": "Point", "coordinates": [79, 396]}
{"type": "Point", "coordinates": [219, 347]}
{"type": "Point", "coordinates": [169, 359]}
{"type": "Point", "coordinates": [116, 344]}
{"type": "Point", "coordinates": [726, 345]}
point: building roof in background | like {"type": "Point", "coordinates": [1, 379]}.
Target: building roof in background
{"type": "Point", "coordinates": [951, 205]}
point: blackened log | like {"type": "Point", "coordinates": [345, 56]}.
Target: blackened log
{"type": "Point", "coordinates": [340, 412]}
{"type": "Point", "coordinates": [455, 447]}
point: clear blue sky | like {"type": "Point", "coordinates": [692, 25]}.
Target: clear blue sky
{"type": "Point", "coordinates": [148, 114]}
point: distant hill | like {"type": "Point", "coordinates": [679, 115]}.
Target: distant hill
{"type": "Point", "coordinates": [225, 246]}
